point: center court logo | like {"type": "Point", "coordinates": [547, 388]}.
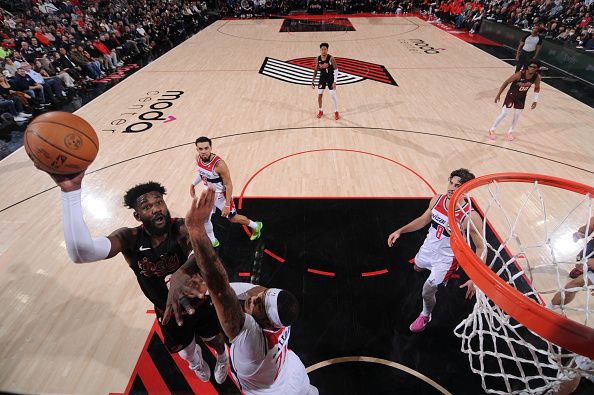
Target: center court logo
{"type": "Point", "coordinates": [419, 46]}
{"type": "Point", "coordinates": [300, 71]}
{"type": "Point", "coordinates": [140, 116]}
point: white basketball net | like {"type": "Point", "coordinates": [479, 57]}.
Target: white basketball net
{"type": "Point", "coordinates": [535, 255]}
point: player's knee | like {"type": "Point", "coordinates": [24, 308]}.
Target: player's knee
{"type": "Point", "coordinates": [429, 288]}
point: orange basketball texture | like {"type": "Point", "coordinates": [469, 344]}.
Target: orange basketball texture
{"type": "Point", "coordinates": [61, 143]}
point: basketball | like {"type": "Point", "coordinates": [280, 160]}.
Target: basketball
{"type": "Point", "coordinates": [61, 143]}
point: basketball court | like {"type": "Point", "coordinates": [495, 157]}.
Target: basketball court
{"type": "Point", "coordinates": [416, 103]}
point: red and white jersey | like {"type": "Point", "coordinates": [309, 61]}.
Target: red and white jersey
{"type": "Point", "coordinates": [259, 358]}
{"type": "Point", "coordinates": [209, 176]}
{"type": "Point", "coordinates": [438, 237]}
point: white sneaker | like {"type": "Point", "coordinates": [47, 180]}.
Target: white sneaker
{"type": "Point", "coordinates": [25, 115]}
{"type": "Point", "coordinates": [221, 368]}
{"type": "Point", "coordinates": [20, 119]}
{"type": "Point", "coordinates": [202, 370]}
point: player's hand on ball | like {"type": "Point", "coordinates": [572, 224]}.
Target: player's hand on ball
{"type": "Point", "coordinates": [68, 182]}
{"type": "Point", "coordinates": [200, 210]}
{"type": "Point", "coordinates": [392, 238]}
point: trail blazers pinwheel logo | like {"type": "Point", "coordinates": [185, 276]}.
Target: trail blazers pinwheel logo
{"type": "Point", "coordinates": [300, 71]}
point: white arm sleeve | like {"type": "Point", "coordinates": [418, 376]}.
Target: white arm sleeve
{"type": "Point", "coordinates": [79, 244]}
{"type": "Point", "coordinates": [242, 289]}
{"type": "Point", "coordinates": [197, 180]}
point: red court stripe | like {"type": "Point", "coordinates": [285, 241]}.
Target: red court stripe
{"type": "Point", "coordinates": [149, 374]}
{"type": "Point", "coordinates": [376, 273]}
{"type": "Point", "coordinates": [272, 254]}
{"type": "Point", "coordinates": [320, 272]}
{"type": "Point", "coordinates": [144, 348]}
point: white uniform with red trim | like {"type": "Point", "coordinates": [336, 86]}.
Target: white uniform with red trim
{"type": "Point", "coordinates": [210, 178]}
{"type": "Point", "coordinates": [261, 362]}
{"type": "Point", "coordinates": [436, 253]}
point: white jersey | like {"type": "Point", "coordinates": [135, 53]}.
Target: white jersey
{"type": "Point", "coordinates": [438, 237]}
{"type": "Point", "coordinates": [261, 362]}
{"type": "Point", "coordinates": [208, 174]}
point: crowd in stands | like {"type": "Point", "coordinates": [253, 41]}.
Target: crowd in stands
{"type": "Point", "coordinates": [565, 20]}
{"type": "Point", "coordinates": [262, 8]}
{"type": "Point", "coordinates": [52, 49]}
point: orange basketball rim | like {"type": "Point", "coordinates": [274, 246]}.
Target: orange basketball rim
{"type": "Point", "coordinates": [557, 329]}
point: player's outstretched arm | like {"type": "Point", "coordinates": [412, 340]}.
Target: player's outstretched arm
{"type": "Point", "coordinates": [81, 247]}
{"type": "Point", "coordinates": [473, 224]}
{"type": "Point", "coordinates": [414, 225]}
{"type": "Point", "coordinates": [222, 295]}
{"type": "Point", "coordinates": [536, 92]}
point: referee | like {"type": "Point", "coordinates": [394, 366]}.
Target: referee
{"type": "Point", "coordinates": [528, 49]}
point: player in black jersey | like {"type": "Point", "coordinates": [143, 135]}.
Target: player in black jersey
{"type": "Point", "coordinates": [516, 96]}
{"type": "Point", "coordinates": [326, 65]}
{"type": "Point", "coordinates": [154, 251]}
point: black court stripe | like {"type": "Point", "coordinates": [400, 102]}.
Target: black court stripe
{"type": "Point", "coordinates": [138, 387]}
{"type": "Point", "coordinates": [170, 373]}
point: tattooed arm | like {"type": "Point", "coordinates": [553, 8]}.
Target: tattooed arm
{"type": "Point", "coordinates": [214, 274]}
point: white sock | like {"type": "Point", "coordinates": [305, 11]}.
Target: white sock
{"type": "Point", "coordinates": [192, 353]}
{"type": "Point", "coordinates": [500, 117]}
{"type": "Point", "coordinates": [333, 97]}
{"type": "Point", "coordinates": [320, 109]}
{"type": "Point", "coordinates": [252, 224]}
{"type": "Point", "coordinates": [222, 356]}
{"type": "Point", "coordinates": [210, 230]}
{"type": "Point", "coordinates": [515, 119]}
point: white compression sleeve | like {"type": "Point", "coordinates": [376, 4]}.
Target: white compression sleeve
{"type": "Point", "coordinates": [79, 244]}
{"type": "Point", "coordinates": [242, 289]}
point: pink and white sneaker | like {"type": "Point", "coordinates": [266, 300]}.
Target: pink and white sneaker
{"type": "Point", "coordinates": [420, 323]}
{"type": "Point", "coordinates": [509, 137]}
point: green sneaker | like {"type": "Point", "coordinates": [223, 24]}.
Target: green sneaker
{"type": "Point", "coordinates": [256, 232]}
{"type": "Point", "coordinates": [215, 243]}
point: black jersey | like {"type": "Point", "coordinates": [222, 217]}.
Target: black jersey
{"type": "Point", "coordinates": [152, 265]}
{"type": "Point", "coordinates": [516, 96]}
{"type": "Point", "coordinates": [325, 67]}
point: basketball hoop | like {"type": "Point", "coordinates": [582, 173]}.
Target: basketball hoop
{"type": "Point", "coordinates": [512, 339]}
